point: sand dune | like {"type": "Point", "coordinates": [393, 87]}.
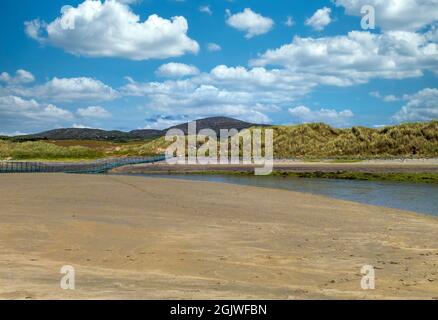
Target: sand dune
{"type": "Point", "coordinates": [140, 238]}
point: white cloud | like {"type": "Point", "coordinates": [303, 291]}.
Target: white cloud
{"type": "Point", "coordinates": [320, 19]}
{"type": "Point", "coordinates": [176, 70]}
{"type": "Point", "coordinates": [250, 22]}
{"type": "Point", "coordinates": [164, 122]}
{"type": "Point", "coordinates": [206, 9]}
{"type": "Point", "coordinates": [303, 114]}
{"type": "Point", "coordinates": [269, 85]}
{"type": "Point", "coordinates": [410, 15]}
{"type": "Point", "coordinates": [375, 94]}
{"type": "Point", "coordinates": [356, 58]}
{"type": "Point", "coordinates": [390, 98]}
{"type": "Point", "coordinates": [432, 34]}
{"type": "Point", "coordinates": [21, 77]}
{"type": "Point", "coordinates": [248, 94]}
{"type": "Point", "coordinates": [249, 86]}
{"type": "Point", "coordinates": [16, 111]}
{"type": "Point", "coordinates": [421, 106]}
{"type": "Point", "coordinates": [13, 133]}
{"type": "Point", "coordinates": [80, 126]}
{"type": "Point", "coordinates": [111, 29]}
{"type": "Point", "coordinates": [204, 100]}
{"type": "Point", "coordinates": [93, 112]}
{"type": "Point", "coordinates": [387, 98]}
{"type": "Point", "coordinates": [289, 21]}
{"type": "Point", "coordinates": [212, 47]}
{"type": "Point", "coordinates": [68, 90]}
{"type": "Point", "coordinates": [129, 1]}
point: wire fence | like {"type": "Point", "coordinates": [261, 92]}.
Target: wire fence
{"type": "Point", "coordinates": [98, 166]}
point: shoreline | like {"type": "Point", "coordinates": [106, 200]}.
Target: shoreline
{"type": "Point", "coordinates": [133, 237]}
{"type": "Point", "coordinates": [425, 170]}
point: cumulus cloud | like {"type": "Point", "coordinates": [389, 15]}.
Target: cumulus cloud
{"type": "Point", "coordinates": [409, 15]}
{"type": "Point", "coordinates": [390, 98]}
{"type": "Point", "coordinates": [161, 122]}
{"type": "Point", "coordinates": [248, 94]}
{"type": "Point", "coordinates": [303, 114]}
{"type": "Point", "coordinates": [421, 106]}
{"type": "Point", "coordinates": [320, 19]}
{"type": "Point", "coordinates": [248, 21]}
{"type": "Point", "coordinates": [111, 29]}
{"type": "Point", "coordinates": [93, 112]}
{"type": "Point", "coordinates": [271, 86]}
{"type": "Point", "coordinates": [21, 77]}
{"type": "Point", "coordinates": [375, 94]}
{"type": "Point", "coordinates": [201, 100]}
{"type": "Point", "coordinates": [212, 47]}
{"type": "Point", "coordinates": [176, 70]}
{"type": "Point", "coordinates": [68, 90]}
{"type": "Point", "coordinates": [206, 9]}
{"type": "Point", "coordinates": [16, 112]}
{"type": "Point", "coordinates": [387, 98]}
{"type": "Point", "coordinates": [204, 100]}
{"type": "Point", "coordinates": [357, 57]}
{"type": "Point", "coordinates": [289, 21]}
{"type": "Point", "coordinates": [80, 126]}
{"type": "Point", "coordinates": [253, 85]}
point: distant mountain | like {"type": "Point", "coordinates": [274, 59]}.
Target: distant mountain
{"type": "Point", "coordinates": [215, 123]}
{"type": "Point", "coordinates": [145, 134]}
{"type": "Point", "coordinates": [95, 134]}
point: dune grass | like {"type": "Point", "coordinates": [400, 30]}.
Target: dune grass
{"type": "Point", "coordinates": [309, 142]}
{"type": "Point", "coordinates": [312, 142]}
{"type": "Point", "coordinates": [47, 151]}
{"type": "Point", "coordinates": [322, 141]}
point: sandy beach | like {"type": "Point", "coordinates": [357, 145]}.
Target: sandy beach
{"type": "Point", "coordinates": [147, 238]}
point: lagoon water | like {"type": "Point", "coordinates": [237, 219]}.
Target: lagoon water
{"type": "Point", "coordinates": [418, 197]}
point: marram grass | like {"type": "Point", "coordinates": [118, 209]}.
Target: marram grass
{"type": "Point", "coordinates": [307, 141]}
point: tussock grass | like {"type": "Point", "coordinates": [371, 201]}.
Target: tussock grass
{"type": "Point", "coordinates": [318, 140]}
{"type": "Point", "coordinates": [307, 141]}
{"type": "Point", "coordinates": [43, 150]}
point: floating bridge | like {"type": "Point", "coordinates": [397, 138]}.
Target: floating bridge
{"type": "Point", "coordinates": [90, 167]}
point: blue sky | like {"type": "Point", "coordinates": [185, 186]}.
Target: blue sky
{"type": "Point", "coordinates": [130, 64]}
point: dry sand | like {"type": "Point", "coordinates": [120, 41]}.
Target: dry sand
{"type": "Point", "coordinates": [146, 238]}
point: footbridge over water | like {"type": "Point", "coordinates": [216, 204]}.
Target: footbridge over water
{"type": "Point", "coordinates": [90, 167]}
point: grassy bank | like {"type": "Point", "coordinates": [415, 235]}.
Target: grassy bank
{"type": "Point", "coordinates": [399, 177]}
{"type": "Point", "coordinates": [344, 175]}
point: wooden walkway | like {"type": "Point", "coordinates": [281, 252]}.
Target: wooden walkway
{"type": "Point", "coordinates": [98, 166]}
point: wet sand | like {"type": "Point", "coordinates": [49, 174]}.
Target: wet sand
{"type": "Point", "coordinates": [140, 238]}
